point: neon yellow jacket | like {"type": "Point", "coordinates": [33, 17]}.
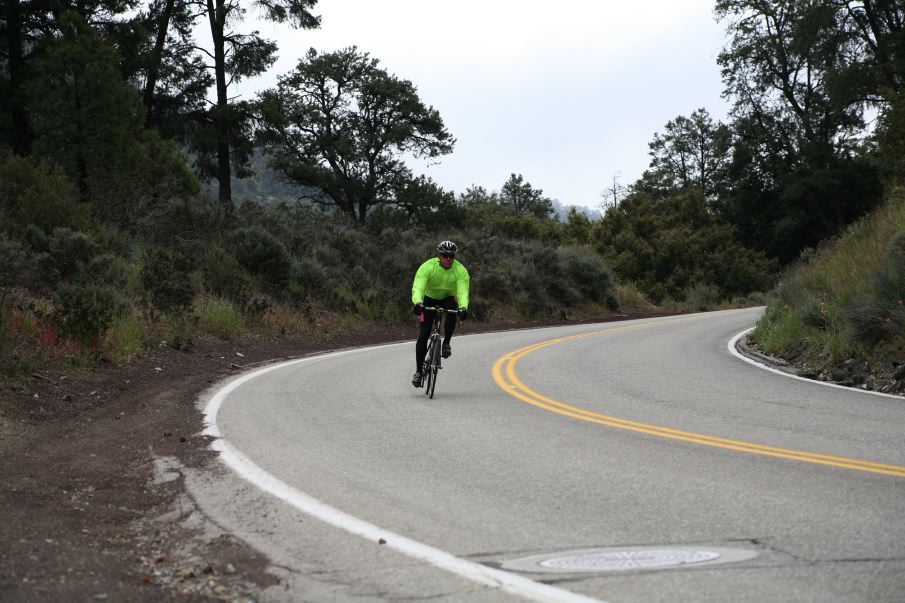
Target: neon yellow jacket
{"type": "Point", "coordinates": [434, 281]}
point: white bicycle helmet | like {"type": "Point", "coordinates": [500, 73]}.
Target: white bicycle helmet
{"type": "Point", "coordinates": [447, 247]}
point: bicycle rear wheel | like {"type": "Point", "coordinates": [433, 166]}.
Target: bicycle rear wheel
{"type": "Point", "coordinates": [434, 368]}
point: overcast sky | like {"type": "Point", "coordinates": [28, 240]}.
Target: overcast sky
{"type": "Point", "coordinates": [568, 94]}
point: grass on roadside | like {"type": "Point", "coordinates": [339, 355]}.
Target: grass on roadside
{"type": "Point", "coordinates": [844, 301]}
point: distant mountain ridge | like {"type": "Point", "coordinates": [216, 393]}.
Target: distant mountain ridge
{"type": "Point", "coordinates": [267, 186]}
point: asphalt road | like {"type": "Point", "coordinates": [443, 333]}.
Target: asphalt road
{"type": "Point", "coordinates": [646, 438]}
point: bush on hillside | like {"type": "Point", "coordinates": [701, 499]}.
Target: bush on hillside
{"type": "Point", "coordinates": [86, 311]}
{"type": "Point", "coordinates": [513, 283]}
{"type": "Point", "coordinates": [880, 315]}
{"type": "Point", "coordinates": [175, 224]}
{"type": "Point", "coordinates": [702, 297]}
{"type": "Point", "coordinates": [32, 195]}
{"type": "Point", "coordinates": [587, 270]}
{"type": "Point", "coordinates": [260, 253]}
{"type": "Point", "coordinates": [16, 261]}
{"type": "Point", "coordinates": [224, 276]}
{"type": "Point", "coordinates": [311, 276]}
{"type": "Point", "coordinates": [70, 251]}
{"type": "Point", "coordinates": [846, 300]}
{"type": "Point", "coordinates": [166, 278]}
{"type": "Point", "coordinates": [888, 282]}
{"type": "Point", "coordinates": [665, 246]}
{"type": "Point", "coordinates": [109, 269]}
{"type": "Point", "coordinates": [871, 322]}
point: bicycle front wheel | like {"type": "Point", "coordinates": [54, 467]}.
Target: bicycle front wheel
{"type": "Point", "coordinates": [426, 367]}
{"type": "Point", "coordinates": [434, 368]}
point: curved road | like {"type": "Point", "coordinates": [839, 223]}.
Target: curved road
{"type": "Point", "coordinates": [630, 436]}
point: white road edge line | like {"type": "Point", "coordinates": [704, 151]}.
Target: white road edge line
{"type": "Point", "coordinates": [246, 468]}
{"type": "Point", "coordinates": [734, 351]}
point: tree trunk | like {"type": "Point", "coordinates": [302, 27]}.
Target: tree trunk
{"type": "Point", "coordinates": [217, 17]}
{"type": "Point", "coordinates": [149, 98]}
{"type": "Point", "coordinates": [78, 143]}
{"type": "Point", "coordinates": [16, 64]}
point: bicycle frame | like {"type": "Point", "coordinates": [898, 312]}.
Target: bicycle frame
{"type": "Point", "coordinates": [432, 359]}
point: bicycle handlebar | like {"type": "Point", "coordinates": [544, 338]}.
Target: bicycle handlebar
{"type": "Point", "coordinates": [439, 309]}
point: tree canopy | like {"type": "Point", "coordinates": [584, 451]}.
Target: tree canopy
{"type": "Point", "coordinates": [667, 246]}
{"type": "Point", "coordinates": [693, 151]}
{"type": "Point", "coordinates": [225, 129]}
{"type": "Point", "coordinates": [342, 123]}
{"type": "Point", "coordinates": [797, 161]}
{"type": "Point", "coordinates": [524, 199]}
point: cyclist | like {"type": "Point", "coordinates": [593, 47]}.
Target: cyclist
{"type": "Point", "coordinates": [442, 282]}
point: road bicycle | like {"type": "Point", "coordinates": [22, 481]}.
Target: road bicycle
{"type": "Point", "coordinates": [432, 360]}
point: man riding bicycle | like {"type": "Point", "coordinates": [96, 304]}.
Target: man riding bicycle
{"type": "Point", "coordinates": [439, 282]}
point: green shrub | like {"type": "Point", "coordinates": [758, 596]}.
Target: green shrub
{"type": "Point", "coordinates": [126, 338]}
{"type": "Point", "coordinates": [492, 283]}
{"type": "Point", "coordinates": [563, 291]}
{"type": "Point", "coordinates": [528, 304]}
{"type": "Point", "coordinates": [630, 298]}
{"type": "Point", "coordinates": [260, 253]}
{"type": "Point", "coordinates": [165, 276]}
{"type": "Point", "coordinates": [66, 252]}
{"type": "Point", "coordinates": [328, 257]}
{"type": "Point", "coordinates": [479, 308]}
{"type": "Point", "coordinates": [110, 269]}
{"type": "Point", "coordinates": [171, 221]}
{"type": "Point", "coordinates": [587, 272]}
{"type": "Point", "coordinates": [666, 245]}
{"type": "Point", "coordinates": [297, 296]}
{"type": "Point", "coordinates": [880, 315]}
{"type": "Point", "coordinates": [812, 313]}
{"type": "Point", "coordinates": [888, 282]}
{"type": "Point", "coordinates": [179, 330]}
{"type": "Point", "coordinates": [510, 277]}
{"type": "Point", "coordinates": [16, 263]}
{"type": "Point", "coordinates": [33, 195]}
{"type": "Point", "coordinates": [358, 278]}
{"type": "Point", "coordinates": [871, 322]}
{"type": "Point", "coordinates": [755, 298]}
{"type": "Point", "coordinates": [220, 317]}
{"type": "Point", "coordinates": [310, 275]}
{"type": "Point", "coordinates": [224, 276]}
{"type": "Point", "coordinates": [399, 256]}
{"type": "Point", "coordinates": [352, 245]}
{"type": "Point", "coordinates": [779, 332]}
{"type": "Point", "coordinates": [702, 296]}
{"type": "Point", "coordinates": [553, 269]}
{"type": "Point", "coordinates": [257, 306]}
{"type": "Point", "coordinates": [86, 311]}
{"type": "Point", "coordinates": [848, 300]}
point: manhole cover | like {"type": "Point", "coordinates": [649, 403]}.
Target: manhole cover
{"type": "Point", "coordinates": [631, 558]}
{"type": "Point", "coordinates": [607, 561]}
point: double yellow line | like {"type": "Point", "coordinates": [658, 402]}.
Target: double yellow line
{"type": "Point", "coordinates": [505, 376]}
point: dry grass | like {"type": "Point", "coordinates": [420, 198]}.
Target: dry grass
{"type": "Point", "coordinates": [808, 321]}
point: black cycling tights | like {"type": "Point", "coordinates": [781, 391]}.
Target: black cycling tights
{"type": "Point", "coordinates": [427, 323]}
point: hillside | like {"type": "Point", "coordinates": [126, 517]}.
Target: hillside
{"type": "Point", "coordinates": [839, 314]}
